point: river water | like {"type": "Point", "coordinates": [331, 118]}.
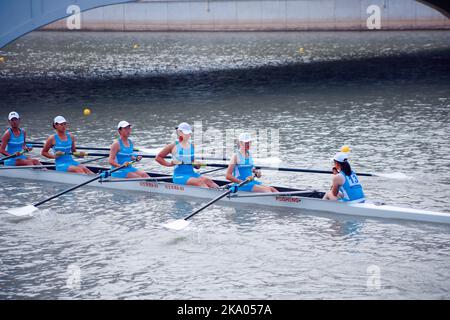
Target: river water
{"type": "Point", "coordinates": [387, 94]}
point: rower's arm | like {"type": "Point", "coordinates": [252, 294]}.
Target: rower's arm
{"type": "Point", "coordinates": [230, 170]}
{"type": "Point", "coordinates": [164, 153]}
{"type": "Point", "coordinates": [337, 182]}
{"type": "Point", "coordinates": [5, 140]}
{"type": "Point", "coordinates": [24, 146]}
{"type": "Point", "coordinates": [115, 147]}
{"type": "Point", "coordinates": [74, 148]}
{"type": "Point", "coordinates": [47, 146]}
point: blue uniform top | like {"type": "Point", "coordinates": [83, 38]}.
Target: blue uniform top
{"type": "Point", "coordinates": [14, 145]}
{"type": "Point", "coordinates": [64, 146]}
{"type": "Point", "coordinates": [125, 153]}
{"type": "Point", "coordinates": [244, 169]}
{"type": "Point", "coordinates": [244, 166]}
{"type": "Point", "coordinates": [186, 156]}
{"type": "Point", "coordinates": [351, 189]}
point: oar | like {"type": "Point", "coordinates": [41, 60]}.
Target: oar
{"type": "Point", "coordinates": [38, 144]}
{"type": "Point", "coordinates": [151, 179]}
{"type": "Point", "coordinates": [212, 170]}
{"type": "Point", "coordinates": [144, 150]}
{"type": "Point", "coordinates": [400, 176]}
{"type": "Point", "coordinates": [42, 166]}
{"type": "Point", "coordinates": [180, 224]}
{"type": "Point", "coordinates": [92, 160]}
{"type": "Point", "coordinates": [13, 155]}
{"type": "Point", "coordinates": [286, 169]}
{"type": "Point", "coordinates": [28, 210]}
{"type": "Point", "coordinates": [26, 167]}
{"type": "Point", "coordinates": [220, 165]}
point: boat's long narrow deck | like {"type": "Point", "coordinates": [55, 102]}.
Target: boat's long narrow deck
{"type": "Point", "coordinates": [221, 183]}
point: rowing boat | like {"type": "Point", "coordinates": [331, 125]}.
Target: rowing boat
{"type": "Point", "coordinates": [286, 198]}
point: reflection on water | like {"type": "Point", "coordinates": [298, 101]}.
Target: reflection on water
{"type": "Point", "coordinates": [385, 93]}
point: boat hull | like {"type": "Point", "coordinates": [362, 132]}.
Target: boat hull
{"type": "Point", "coordinates": [296, 202]}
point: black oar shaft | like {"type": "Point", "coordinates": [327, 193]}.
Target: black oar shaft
{"type": "Point", "coordinates": [40, 144]}
{"type": "Point", "coordinates": [220, 165]}
{"type": "Point", "coordinates": [92, 160]}
{"type": "Point", "coordinates": [11, 156]}
{"type": "Point", "coordinates": [215, 200]}
{"type": "Point", "coordinates": [97, 177]}
{"type": "Point", "coordinates": [285, 169]}
{"type": "Point", "coordinates": [213, 170]}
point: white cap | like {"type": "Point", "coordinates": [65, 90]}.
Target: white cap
{"type": "Point", "coordinates": [123, 124]}
{"type": "Point", "coordinates": [245, 137]}
{"type": "Point", "coordinates": [185, 128]}
{"type": "Point", "coordinates": [13, 114]}
{"type": "Point", "coordinates": [340, 157]}
{"type": "Point", "coordinates": [59, 119]}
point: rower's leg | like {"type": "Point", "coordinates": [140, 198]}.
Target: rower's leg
{"type": "Point", "coordinates": [142, 174]}
{"type": "Point", "coordinates": [198, 182]}
{"type": "Point", "coordinates": [209, 183]}
{"type": "Point", "coordinates": [85, 169]}
{"type": "Point", "coordinates": [36, 162]}
{"type": "Point", "coordinates": [24, 162]}
{"type": "Point", "coordinates": [329, 196]}
{"type": "Point", "coordinates": [260, 188]}
{"type": "Point", "coordinates": [273, 189]}
{"type": "Point", "coordinates": [132, 175]}
{"type": "Point", "coordinates": [75, 169]}
{"type": "Point", "coordinates": [27, 162]}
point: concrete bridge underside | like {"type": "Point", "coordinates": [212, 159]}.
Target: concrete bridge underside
{"type": "Point", "coordinates": [18, 18]}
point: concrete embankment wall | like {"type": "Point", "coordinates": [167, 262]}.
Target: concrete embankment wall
{"type": "Point", "coordinates": [257, 15]}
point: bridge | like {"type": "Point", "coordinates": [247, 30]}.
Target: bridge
{"type": "Point", "coordinates": [18, 18]}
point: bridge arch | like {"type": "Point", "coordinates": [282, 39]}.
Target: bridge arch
{"type": "Point", "coordinates": [443, 6]}
{"type": "Point", "coordinates": [18, 18]}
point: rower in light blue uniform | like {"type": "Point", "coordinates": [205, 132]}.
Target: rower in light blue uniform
{"type": "Point", "coordinates": [13, 142]}
{"type": "Point", "coordinates": [64, 149]}
{"type": "Point", "coordinates": [242, 166]}
{"type": "Point", "coordinates": [183, 156]}
{"type": "Point", "coordinates": [15, 145]}
{"type": "Point", "coordinates": [121, 153]}
{"type": "Point", "coordinates": [63, 145]}
{"type": "Point", "coordinates": [346, 186]}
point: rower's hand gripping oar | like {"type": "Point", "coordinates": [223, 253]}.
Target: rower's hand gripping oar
{"type": "Point", "coordinates": [28, 210]}
{"type": "Point", "coordinates": [180, 224]}
{"type": "Point", "coordinates": [14, 155]}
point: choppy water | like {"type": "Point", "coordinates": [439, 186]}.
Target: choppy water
{"type": "Point", "coordinates": [385, 93]}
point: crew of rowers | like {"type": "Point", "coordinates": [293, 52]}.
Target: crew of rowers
{"type": "Point", "coordinates": [345, 183]}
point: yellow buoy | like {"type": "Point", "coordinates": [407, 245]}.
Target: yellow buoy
{"type": "Point", "coordinates": [135, 46]}
{"type": "Point", "coordinates": [87, 112]}
{"type": "Point", "coordinates": [2, 59]}
{"type": "Point", "coordinates": [301, 50]}
{"type": "Point", "coordinates": [346, 149]}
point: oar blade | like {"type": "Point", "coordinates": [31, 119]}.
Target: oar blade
{"type": "Point", "coordinates": [22, 211]}
{"type": "Point", "coordinates": [177, 225]}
